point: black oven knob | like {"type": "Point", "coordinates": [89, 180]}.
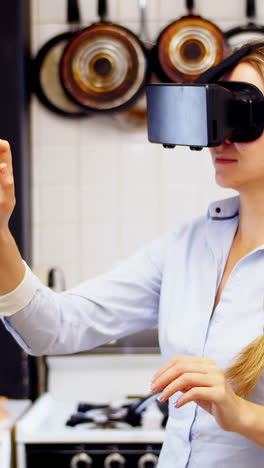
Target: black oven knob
{"type": "Point", "coordinates": [81, 460]}
{"type": "Point", "coordinates": [149, 460]}
{"type": "Point", "coordinates": [114, 460]}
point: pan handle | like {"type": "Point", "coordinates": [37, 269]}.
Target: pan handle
{"type": "Point", "coordinates": [189, 6]}
{"type": "Point", "coordinates": [250, 10]}
{"type": "Point", "coordinates": [73, 13]}
{"type": "Point", "coordinates": [143, 33]}
{"type": "Point", "coordinates": [102, 9]}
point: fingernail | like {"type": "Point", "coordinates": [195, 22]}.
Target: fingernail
{"type": "Point", "coordinates": [152, 386]}
{"type": "Point", "coordinates": [3, 168]}
{"type": "Point", "coordinates": [161, 398]}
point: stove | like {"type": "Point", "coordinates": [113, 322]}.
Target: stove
{"type": "Point", "coordinates": [97, 413]}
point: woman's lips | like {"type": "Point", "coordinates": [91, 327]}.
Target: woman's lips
{"type": "Point", "coordinates": [225, 161]}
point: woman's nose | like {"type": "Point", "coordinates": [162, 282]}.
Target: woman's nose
{"type": "Point", "coordinates": [219, 148]}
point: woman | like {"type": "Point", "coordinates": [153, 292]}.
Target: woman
{"type": "Point", "coordinates": [202, 284]}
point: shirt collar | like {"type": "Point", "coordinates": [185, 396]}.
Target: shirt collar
{"type": "Point", "coordinates": [224, 209]}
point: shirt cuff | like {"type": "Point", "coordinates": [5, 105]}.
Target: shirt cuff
{"type": "Point", "coordinates": [21, 296]}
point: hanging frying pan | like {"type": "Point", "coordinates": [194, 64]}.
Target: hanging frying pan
{"type": "Point", "coordinates": [45, 68]}
{"type": "Point", "coordinates": [187, 47]}
{"type": "Point", "coordinates": [104, 67]}
{"type": "Point", "coordinates": [249, 32]}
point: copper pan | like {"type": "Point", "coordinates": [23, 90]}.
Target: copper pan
{"type": "Point", "coordinates": [104, 67]}
{"type": "Point", "coordinates": [187, 47]}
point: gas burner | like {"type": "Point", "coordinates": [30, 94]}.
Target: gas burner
{"type": "Point", "coordinates": [97, 420]}
{"type": "Point", "coordinates": [111, 415]}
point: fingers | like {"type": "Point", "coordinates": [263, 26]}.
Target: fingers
{"type": "Point", "coordinates": [198, 395]}
{"type": "Point", "coordinates": [186, 382]}
{"type": "Point", "coordinates": [6, 176]}
{"type": "Point", "coordinates": [176, 361]}
{"type": "Point", "coordinates": [5, 155]}
{"type": "Point", "coordinates": [178, 366]}
{"type": "Point", "coordinates": [7, 190]}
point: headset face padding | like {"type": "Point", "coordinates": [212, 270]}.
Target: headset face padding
{"type": "Point", "coordinates": [250, 93]}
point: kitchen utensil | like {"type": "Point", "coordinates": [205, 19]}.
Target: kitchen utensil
{"type": "Point", "coordinates": [143, 27]}
{"type": "Point", "coordinates": [135, 117]}
{"type": "Point", "coordinates": [45, 67]}
{"type": "Point", "coordinates": [187, 47]}
{"type": "Point", "coordinates": [56, 279]}
{"type": "Point", "coordinates": [164, 408]}
{"type": "Point", "coordinates": [251, 31]}
{"type": "Point", "coordinates": [104, 67]}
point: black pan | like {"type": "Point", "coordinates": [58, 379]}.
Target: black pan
{"type": "Point", "coordinates": [188, 47]}
{"type": "Point", "coordinates": [46, 80]}
{"type": "Point", "coordinates": [248, 32]}
{"type": "Point", "coordinates": [104, 67]}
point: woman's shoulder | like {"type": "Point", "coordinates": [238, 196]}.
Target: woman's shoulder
{"type": "Point", "coordinates": [219, 210]}
{"type": "Point", "coordinates": [185, 234]}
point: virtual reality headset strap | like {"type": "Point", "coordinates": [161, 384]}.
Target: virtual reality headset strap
{"type": "Point", "coordinates": [214, 73]}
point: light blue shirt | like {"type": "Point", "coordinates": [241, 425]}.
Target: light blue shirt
{"type": "Point", "coordinates": [171, 283]}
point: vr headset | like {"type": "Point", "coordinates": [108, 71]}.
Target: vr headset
{"type": "Point", "coordinates": [207, 112]}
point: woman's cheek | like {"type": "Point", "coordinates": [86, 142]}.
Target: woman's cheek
{"type": "Point", "coordinates": [244, 147]}
{"type": "Point", "coordinates": [251, 146]}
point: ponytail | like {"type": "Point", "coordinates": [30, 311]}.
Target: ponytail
{"type": "Point", "coordinates": [247, 368]}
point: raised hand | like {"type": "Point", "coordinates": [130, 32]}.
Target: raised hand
{"type": "Point", "coordinates": [12, 269]}
{"type": "Point", "coordinates": [7, 191]}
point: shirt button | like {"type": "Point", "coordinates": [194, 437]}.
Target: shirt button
{"type": "Point", "coordinates": [237, 277]}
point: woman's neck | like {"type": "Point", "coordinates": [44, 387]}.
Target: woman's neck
{"type": "Point", "coordinates": [251, 219]}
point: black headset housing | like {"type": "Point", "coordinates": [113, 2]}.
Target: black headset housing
{"type": "Point", "coordinates": [208, 111]}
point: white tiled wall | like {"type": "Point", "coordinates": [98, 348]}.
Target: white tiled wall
{"type": "Point", "coordinates": [100, 190]}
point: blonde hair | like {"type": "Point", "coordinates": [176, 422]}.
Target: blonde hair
{"type": "Point", "coordinates": [249, 363]}
{"type": "Point", "coordinates": [256, 58]}
{"type": "Point", "coordinates": [247, 368]}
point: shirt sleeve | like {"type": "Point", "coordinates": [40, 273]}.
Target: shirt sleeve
{"type": "Point", "coordinates": [18, 298]}
{"type": "Point", "coordinates": [118, 303]}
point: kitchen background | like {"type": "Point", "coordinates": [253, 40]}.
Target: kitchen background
{"type": "Point", "coordinates": [100, 190]}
